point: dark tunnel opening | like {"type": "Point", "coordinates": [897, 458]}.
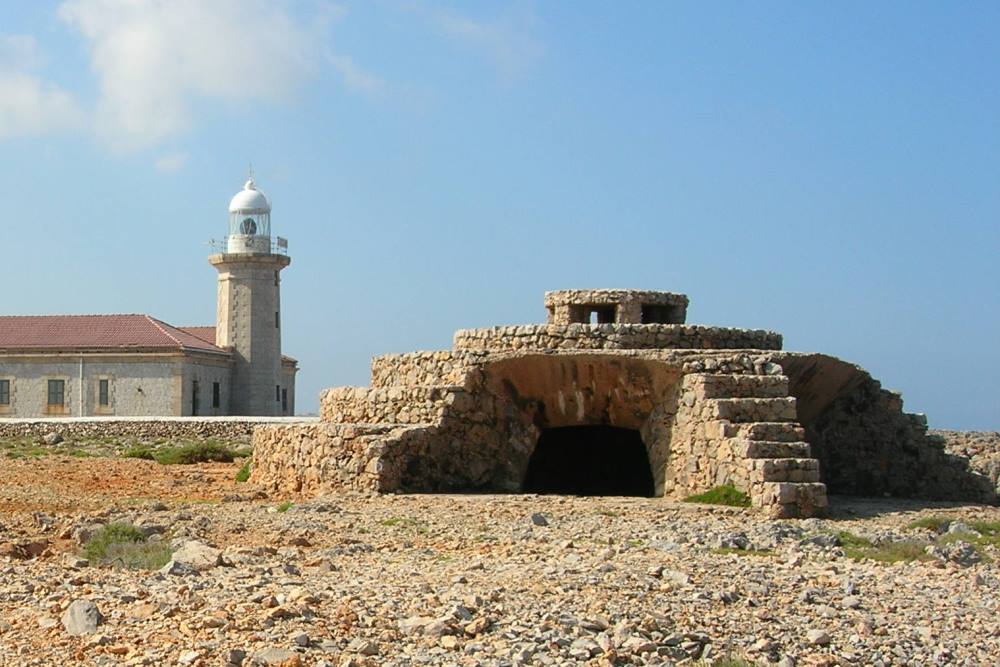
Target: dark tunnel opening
{"type": "Point", "coordinates": [590, 461]}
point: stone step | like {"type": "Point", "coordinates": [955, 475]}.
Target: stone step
{"type": "Point", "coordinates": [773, 449]}
{"type": "Point", "coordinates": [742, 410]}
{"type": "Point", "coordinates": [768, 431]}
{"type": "Point", "coordinates": [712, 385]}
{"type": "Point", "coordinates": [789, 500]}
{"type": "Point", "coordinates": [398, 405]}
{"type": "Point", "coordinates": [783, 470]}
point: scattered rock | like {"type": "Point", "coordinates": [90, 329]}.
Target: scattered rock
{"type": "Point", "coordinates": [81, 618]}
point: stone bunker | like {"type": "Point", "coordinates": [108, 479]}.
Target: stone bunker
{"type": "Point", "coordinates": [616, 395]}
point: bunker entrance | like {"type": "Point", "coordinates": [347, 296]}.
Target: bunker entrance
{"type": "Point", "coordinates": [590, 461]}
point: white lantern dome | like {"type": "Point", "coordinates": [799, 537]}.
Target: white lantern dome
{"type": "Point", "coordinates": [249, 200]}
{"type": "Point", "coordinates": [249, 221]}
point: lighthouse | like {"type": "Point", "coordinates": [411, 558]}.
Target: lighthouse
{"type": "Point", "coordinates": [248, 311]}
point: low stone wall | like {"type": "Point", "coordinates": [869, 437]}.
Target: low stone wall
{"type": "Point", "coordinates": [615, 337]}
{"type": "Point", "coordinates": [423, 368]}
{"type": "Point", "coordinates": [392, 405]}
{"type": "Point", "coordinates": [313, 459]}
{"type": "Point", "coordinates": [225, 428]}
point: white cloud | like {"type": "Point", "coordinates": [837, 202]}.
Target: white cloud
{"type": "Point", "coordinates": [355, 77]}
{"type": "Point", "coordinates": [28, 105]}
{"type": "Point", "coordinates": [509, 41]}
{"type": "Point", "coordinates": [155, 59]}
{"type": "Point", "coordinates": [170, 163]}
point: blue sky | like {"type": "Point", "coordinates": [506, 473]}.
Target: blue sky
{"type": "Point", "coordinates": [827, 170]}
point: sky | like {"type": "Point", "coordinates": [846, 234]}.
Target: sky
{"type": "Point", "coordinates": [830, 171]}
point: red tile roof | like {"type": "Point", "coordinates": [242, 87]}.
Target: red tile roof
{"type": "Point", "coordinates": [96, 332]}
{"type": "Point", "coordinates": [208, 334]}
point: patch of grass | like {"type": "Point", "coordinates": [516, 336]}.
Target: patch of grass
{"type": "Point", "coordinates": [937, 524]}
{"type": "Point", "coordinates": [860, 548]}
{"type": "Point", "coordinates": [730, 662]}
{"type": "Point", "coordinates": [81, 453]}
{"type": "Point", "coordinates": [285, 506]}
{"type": "Point", "coordinates": [721, 495]}
{"type": "Point", "coordinates": [243, 474]}
{"type": "Point", "coordinates": [609, 513]}
{"type": "Point", "coordinates": [123, 545]}
{"type": "Point", "coordinates": [139, 453]}
{"type": "Point", "coordinates": [742, 552]}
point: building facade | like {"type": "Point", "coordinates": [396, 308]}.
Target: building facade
{"type": "Point", "coordinates": [137, 365]}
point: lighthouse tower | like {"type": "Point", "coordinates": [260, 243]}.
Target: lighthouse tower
{"type": "Point", "coordinates": [248, 314]}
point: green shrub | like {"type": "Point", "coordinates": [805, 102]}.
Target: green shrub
{"type": "Point", "coordinates": [860, 548]}
{"type": "Point", "coordinates": [285, 506]}
{"type": "Point", "coordinates": [721, 495]}
{"type": "Point", "coordinates": [938, 524]}
{"type": "Point", "coordinates": [123, 545]}
{"type": "Point", "coordinates": [243, 474]}
{"type": "Point", "coordinates": [195, 452]}
{"type": "Point", "coordinates": [139, 453]}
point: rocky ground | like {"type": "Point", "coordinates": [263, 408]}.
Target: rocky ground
{"type": "Point", "coordinates": [478, 580]}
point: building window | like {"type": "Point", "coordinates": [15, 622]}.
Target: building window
{"type": "Point", "coordinates": [277, 320]}
{"type": "Point", "coordinates": [195, 398]}
{"type": "Point", "coordinates": [216, 394]}
{"type": "Point", "coordinates": [284, 400]}
{"type": "Point", "coordinates": [103, 393]}
{"type": "Point", "coordinates": [4, 392]}
{"type": "Point", "coordinates": [277, 392]}
{"type": "Point", "coordinates": [57, 393]}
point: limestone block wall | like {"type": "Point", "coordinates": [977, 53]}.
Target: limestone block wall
{"type": "Point", "coordinates": [614, 337]}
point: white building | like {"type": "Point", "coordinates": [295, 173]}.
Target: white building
{"type": "Point", "coordinates": [81, 365]}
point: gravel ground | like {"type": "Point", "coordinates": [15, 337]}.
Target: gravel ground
{"type": "Point", "coordinates": [473, 580]}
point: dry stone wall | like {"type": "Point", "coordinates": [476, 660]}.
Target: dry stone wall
{"type": "Point", "coordinates": [867, 445]}
{"type": "Point", "coordinates": [614, 337]}
{"type": "Point", "coordinates": [141, 429]}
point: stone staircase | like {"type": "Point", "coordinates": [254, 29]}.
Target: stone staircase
{"type": "Point", "coordinates": [754, 419]}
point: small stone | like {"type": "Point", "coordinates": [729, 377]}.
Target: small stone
{"type": "Point", "coordinates": [82, 618]}
{"type": "Point", "coordinates": [198, 555]}
{"type": "Point", "coordinates": [362, 647]}
{"type": "Point", "coordinates": [52, 438]}
{"type": "Point", "coordinates": [188, 658]}
{"type": "Point", "coordinates": [539, 519]}
{"type": "Point", "coordinates": [818, 637]}
{"type": "Point", "coordinates": [178, 569]}
{"type": "Point", "coordinates": [277, 656]}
